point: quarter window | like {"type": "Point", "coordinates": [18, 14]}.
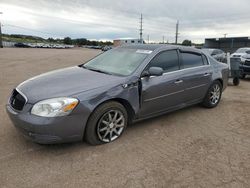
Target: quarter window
{"type": "Point", "coordinates": [191, 60]}
{"type": "Point", "coordinates": [167, 60]}
{"type": "Point", "coordinates": [205, 62]}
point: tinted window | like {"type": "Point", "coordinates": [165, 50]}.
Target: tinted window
{"type": "Point", "coordinates": [213, 52]}
{"type": "Point", "coordinates": [191, 60]}
{"type": "Point", "coordinates": [167, 60]}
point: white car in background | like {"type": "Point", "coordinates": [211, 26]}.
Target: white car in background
{"type": "Point", "coordinates": [242, 54]}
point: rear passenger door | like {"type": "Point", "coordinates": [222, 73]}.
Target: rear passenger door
{"type": "Point", "coordinates": [197, 75]}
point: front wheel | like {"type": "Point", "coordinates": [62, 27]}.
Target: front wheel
{"type": "Point", "coordinates": [106, 124]}
{"type": "Point", "coordinates": [236, 81]}
{"type": "Point", "coordinates": [213, 95]}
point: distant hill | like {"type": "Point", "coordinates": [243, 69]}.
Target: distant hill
{"type": "Point", "coordinates": [22, 38]}
{"type": "Point", "coordinates": [67, 40]}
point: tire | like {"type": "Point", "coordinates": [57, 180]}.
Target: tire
{"type": "Point", "coordinates": [236, 81]}
{"type": "Point", "coordinates": [243, 76]}
{"type": "Point", "coordinates": [106, 123]}
{"type": "Point", "coordinates": [212, 100]}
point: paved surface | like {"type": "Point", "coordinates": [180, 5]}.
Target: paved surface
{"type": "Point", "coordinates": [194, 147]}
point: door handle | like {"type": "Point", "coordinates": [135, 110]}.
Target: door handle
{"type": "Point", "coordinates": [178, 81]}
{"type": "Point", "coordinates": [206, 74]}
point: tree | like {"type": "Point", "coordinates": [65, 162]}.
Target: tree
{"type": "Point", "coordinates": [187, 43]}
{"type": "Point", "coordinates": [81, 41]}
{"type": "Point", "coordinates": [51, 40]}
{"type": "Point", "coordinates": [67, 40]}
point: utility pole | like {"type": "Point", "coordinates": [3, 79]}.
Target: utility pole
{"type": "Point", "coordinates": [163, 39]}
{"type": "Point", "coordinates": [1, 41]}
{"type": "Point", "coordinates": [177, 32]}
{"type": "Point", "coordinates": [148, 39]}
{"type": "Point", "coordinates": [141, 40]}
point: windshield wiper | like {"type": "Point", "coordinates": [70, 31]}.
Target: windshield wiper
{"type": "Point", "coordinates": [96, 70]}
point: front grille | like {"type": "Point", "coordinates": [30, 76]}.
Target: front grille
{"type": "Point", "coordinates": [17, 100]}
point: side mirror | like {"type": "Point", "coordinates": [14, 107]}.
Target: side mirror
{"type": "Point", "coordinates": [153, 71]}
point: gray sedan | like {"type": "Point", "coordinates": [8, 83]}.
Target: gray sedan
{"type": "Point", "coordinates": [96, 101]}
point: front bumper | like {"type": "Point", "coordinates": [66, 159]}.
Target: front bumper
{"type": "Point", "coordinates": [48, 130]}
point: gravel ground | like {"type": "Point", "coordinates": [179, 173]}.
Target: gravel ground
{"type": "Point", "coordinates": [193, 147]}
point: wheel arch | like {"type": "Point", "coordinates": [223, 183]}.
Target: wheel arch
{"type": "Point", "coordinates": [124, 102]}
{"type": "Point", "coordinates": [220, 80]}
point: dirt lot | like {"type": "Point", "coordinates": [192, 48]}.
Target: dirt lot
{"type": "Point", "coordinates": [194, 147]}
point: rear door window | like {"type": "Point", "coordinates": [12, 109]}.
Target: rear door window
{"type": "Point", "coordinates": [190, 60]}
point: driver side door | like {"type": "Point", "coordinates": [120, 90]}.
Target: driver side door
{"type": "Point", "coordinates": [165, 92]}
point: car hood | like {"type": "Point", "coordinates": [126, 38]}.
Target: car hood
{"type": "Point", "coordinates": [65, 82]}
{"type": "Point", "coordinates": [237, 54]}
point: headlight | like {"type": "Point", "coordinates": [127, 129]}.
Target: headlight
{"type": "Point", "coordinates": [244, 56]}
{"type": "Point", "coordinates": [54, 107]}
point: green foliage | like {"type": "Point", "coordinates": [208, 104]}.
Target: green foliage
{"type": "Point", "coordinates": [187, 43]}
{"type": "Point", "coordinates": [67, 40]}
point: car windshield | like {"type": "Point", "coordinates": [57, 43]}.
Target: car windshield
{"type": "Point", "coordinates": [242, 50]}
{"type": "Point", "coordinates": [120, 61]}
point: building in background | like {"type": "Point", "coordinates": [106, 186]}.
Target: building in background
{"type": "Point", "coordinates": [227, 44]}
{"type": "Point", "coordinates": [124, 41]}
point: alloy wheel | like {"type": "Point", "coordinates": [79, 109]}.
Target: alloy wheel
{"type": "Point", "coordinates": [110, 125]}
{"type": "Point", "coordinates": [215, 94]}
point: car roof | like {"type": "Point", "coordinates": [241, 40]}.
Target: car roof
{"type": "Point", "coordinates": [210, 49]}
{"type": "Point", "coordinates": [244, 48]}
{"type": "Point", "coordinates": [154, 47]}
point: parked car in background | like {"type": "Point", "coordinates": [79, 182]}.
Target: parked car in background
{"type": "Point", "coordinates": [241, 53]}
{"type": "Point", "coordinates": [97, 100]}
{"type": "Point", "coordinates": [217, 54]}
{"type": "Point", "coordinates": [21, 45]}
{"type": "Point", "coordinates": [245, 64]}
{"type": "Point", "coordinates": [106, 48]}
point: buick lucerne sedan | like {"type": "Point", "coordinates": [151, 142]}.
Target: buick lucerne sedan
{"type": "Point", "coordinates": [96, 101]}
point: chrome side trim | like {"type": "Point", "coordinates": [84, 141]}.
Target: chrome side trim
{"type": "Point", "coordinates": [186, 69]}
{"type": "Point", "coordinates": [196, 87]}
{"type": "Point", "coordinates": [162, 96]}
{"type": "Point", "coordinates": [180, 70]}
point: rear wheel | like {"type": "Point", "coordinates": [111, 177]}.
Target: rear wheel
{"type": "Point", "coordinates": [213, 95]}
{"type": "Point", "coordinates": [106, 124]}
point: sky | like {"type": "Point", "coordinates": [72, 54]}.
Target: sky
{"type": "Point", "coordinates": [112, 19]}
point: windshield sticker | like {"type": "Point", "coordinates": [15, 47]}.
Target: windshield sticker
{"type": "Point", "coordinates": [144, 51]}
